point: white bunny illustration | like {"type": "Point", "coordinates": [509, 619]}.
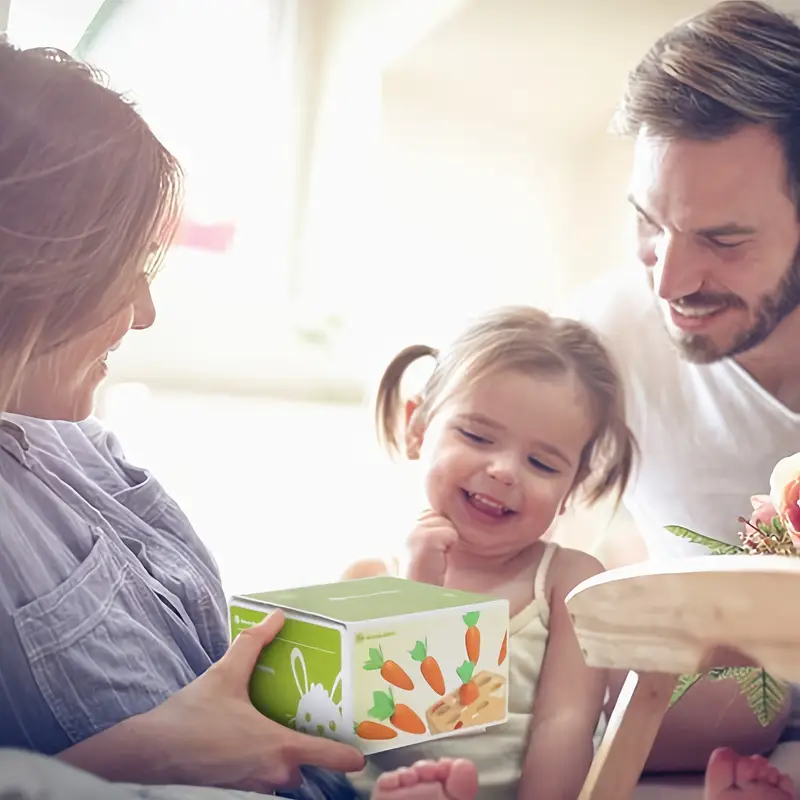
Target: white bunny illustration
{"type": "Point", "coordinates": [316, 710]}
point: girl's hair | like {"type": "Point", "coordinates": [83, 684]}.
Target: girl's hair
{"type": "Point", "coordinates": [529, 341]}
{"type": "Point", "coordinates": [88, 199]}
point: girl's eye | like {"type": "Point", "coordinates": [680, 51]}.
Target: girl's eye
{"type": "Point", "coordinates": [540, 465]}
{"type": "Point", "coordinates": [473, 437]}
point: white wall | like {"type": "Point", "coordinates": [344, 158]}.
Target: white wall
{"type": "Point", "coordinates": [339, 242]}
{"type": "Point", "coordinates": [55, 23]}
{"type": "Point", "coordinates": [468, 212]}
{"type": "Point", "coordinates": [4, 9]}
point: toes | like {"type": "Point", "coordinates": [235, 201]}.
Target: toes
{"type": "Point", "coordinates": [443, 767]}
{"type": "Point", "coordinates": [428, 771]}
{"type": "Point", "coordinates": [388, 781]}
{"type": "Point", "coordinates": [429, 780]}
{"type": "Point", "coordinates": [407, 777]}
{"type": "Point", "coordinates": [462, 783]}
{"type": "Point", "coordinates": [786, 784]}
{"type": "Point", "coordinates": [721, 771]}
{"type": "Point", "coordinates": [751, 769]}
{"type": "Point", "coordinates": [772, 775]}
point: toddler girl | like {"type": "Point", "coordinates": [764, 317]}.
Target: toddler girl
{"type": "Point", "coordinates": [520, 415]}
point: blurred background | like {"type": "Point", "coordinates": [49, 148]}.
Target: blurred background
{"type": "Point", "coordinates": [361, 175]}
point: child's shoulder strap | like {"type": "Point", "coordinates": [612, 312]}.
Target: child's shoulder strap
{"type": "Point", "coordinates": [540, 581]}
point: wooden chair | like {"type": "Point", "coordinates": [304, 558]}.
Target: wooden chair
{"type": "Point", "coordinates": [663, 619]}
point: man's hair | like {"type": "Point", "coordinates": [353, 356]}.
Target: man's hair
{"type": "Point", "coordinates": [735, 64]}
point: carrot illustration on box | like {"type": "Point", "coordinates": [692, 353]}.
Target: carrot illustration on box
{"type": "Point", "coordinates": [375, 662]}
{"type": "Point", "coordinates": [473, 702]}
{"type": "Point", "coordinates": [401, 716]}
{"type": "Point", "coordinates": [428, 667]}
{"type": "Point", "coordinates": [391, 671]}
{"type": "Point", "coordinates": [478, 699]}
{"type": "Point", "coordinates": [472, 638]}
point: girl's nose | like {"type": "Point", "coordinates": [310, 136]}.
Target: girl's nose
{"type": "Point", "coordinates": [502, 470]}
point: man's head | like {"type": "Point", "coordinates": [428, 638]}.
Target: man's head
{"type": "Point", "coordinates": [715, 110]}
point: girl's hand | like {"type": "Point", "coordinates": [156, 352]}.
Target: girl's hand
{"type": "Point", "coordinates": [428, 545]}
{"type": "Point", "coordinates": [209, 734]}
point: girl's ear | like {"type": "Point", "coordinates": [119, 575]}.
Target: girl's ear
{"type": "Point", "coordinates": [415, 430]}
{"type": "Point", "coordinates": [565, 503]}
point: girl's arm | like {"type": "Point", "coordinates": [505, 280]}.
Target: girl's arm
{"type": "Point", "coordinates": [370, 568]}
{"type": "Point", "coordinates": [426, 559]}
{"type": "Point", "coordinates": [569, 697]}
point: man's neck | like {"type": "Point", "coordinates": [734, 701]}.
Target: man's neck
{"type": "Point", "coordinates": [775, 363]}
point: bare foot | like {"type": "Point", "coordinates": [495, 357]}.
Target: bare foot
{"type": "Point", "coordinates": [429, 780]}
{"type": "Point", "coordinates": [730, 776]}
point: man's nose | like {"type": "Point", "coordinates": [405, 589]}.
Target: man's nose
{"type": "Point", "coordinates": [678, 271]}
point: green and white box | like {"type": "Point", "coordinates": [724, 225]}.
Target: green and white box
{"type": "Point", "coordinates": [381, 662]}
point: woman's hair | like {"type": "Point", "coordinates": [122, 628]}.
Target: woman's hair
{"type": "Point", "coordinates": [528, 341]}
{"type": "Point", "coordinates": [736, 63]}
{"type": "Point", "coordinates": [89, 198]}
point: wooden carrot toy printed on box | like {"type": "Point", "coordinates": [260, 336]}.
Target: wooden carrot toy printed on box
{"type": "Point", "coordinates": [380, 663]}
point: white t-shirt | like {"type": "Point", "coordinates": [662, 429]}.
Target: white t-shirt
{"type": "Point", "coordinates": [709, 435]}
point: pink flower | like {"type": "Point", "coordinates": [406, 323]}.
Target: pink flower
{"type": "Point", "coordinates": [763, 510]}
{"type": "Point", "coordinates": [784, 492]}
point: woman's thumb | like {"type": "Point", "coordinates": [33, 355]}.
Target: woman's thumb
{"type": "Point", "coordinates": [240, 660]}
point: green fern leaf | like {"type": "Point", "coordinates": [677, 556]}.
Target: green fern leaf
{"type": "Point", "coordinates": [726, 673]}
{"type": "Point", "coordinates": [685, 682]}
{"type": "Point", "coordinates": [764, 694]}
{"type": "Point", "coordinates": [716, 547]}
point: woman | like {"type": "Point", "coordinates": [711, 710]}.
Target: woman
{"type": "Point", "coordinates": [112, 617]}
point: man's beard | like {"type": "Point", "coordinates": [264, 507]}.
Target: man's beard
{"type": "Point", "coordinates": [771, 310]}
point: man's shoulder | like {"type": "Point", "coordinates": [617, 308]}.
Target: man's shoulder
{"type": "Point", "coordinates": [619, 307]}
{"type": "Point", "coordinates": [610, 304]}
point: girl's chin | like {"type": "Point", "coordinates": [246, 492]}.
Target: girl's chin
{"type": "Point", "coordinates": [473, 544]}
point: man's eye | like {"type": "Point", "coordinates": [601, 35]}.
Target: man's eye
{"type": "Point", "coordinates": [726, 244]}
{"type": "Point", "coordinates": [645, 222]}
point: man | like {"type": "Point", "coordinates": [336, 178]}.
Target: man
{"type": "Point", "coordinates": [707, 333]}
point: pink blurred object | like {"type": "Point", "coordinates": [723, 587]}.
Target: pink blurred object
{"type": "Point", "coordinates": [216, 237]}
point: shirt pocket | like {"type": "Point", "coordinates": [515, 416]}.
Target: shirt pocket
{"type": "Point", "coordinates": [144, 496]}
{"type": "Point", "coordinates": [147, 500]}
{"type": "Point", "coordinates": [98, 648]}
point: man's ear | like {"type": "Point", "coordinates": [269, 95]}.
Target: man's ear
{"type": "Point", "coordinates": [415, 430]}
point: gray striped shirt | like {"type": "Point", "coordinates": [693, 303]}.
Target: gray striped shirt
{"type": "Point", "coordinates": [109, 602]}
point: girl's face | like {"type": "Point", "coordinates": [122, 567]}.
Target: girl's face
{"type": "Point", "coordinates": [500, 458]}
{"type": "Point", "coordinates": [61, 383]}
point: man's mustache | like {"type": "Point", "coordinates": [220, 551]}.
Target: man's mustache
{"type": "Point", "coordinates": [709, 299]}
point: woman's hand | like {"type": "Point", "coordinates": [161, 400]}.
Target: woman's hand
{"type": "Point", "coordinates": [428, 546]}
{"type": "Point", "coordinates": [209, 734]}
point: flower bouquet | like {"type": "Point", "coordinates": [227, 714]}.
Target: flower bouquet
{"type": "Point", "coordinates": [772, 529]}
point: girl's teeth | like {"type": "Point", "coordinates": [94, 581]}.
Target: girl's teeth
{"type": "Point", "coordinates": [487, 501]}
